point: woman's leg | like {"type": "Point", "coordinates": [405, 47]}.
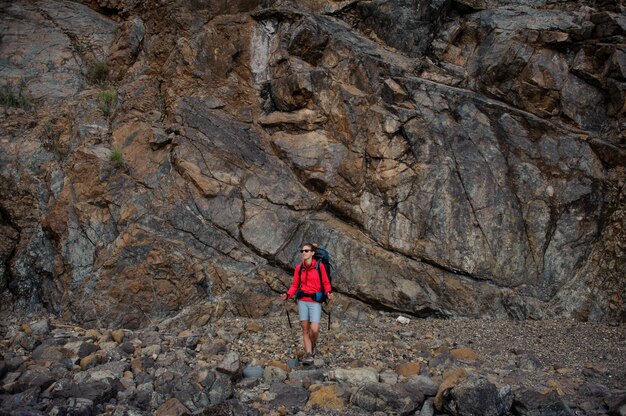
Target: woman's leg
{"type": "Point", "coordinates": [315, 314]}
{"type": "Point", "coordinates": [306, 336]}
{"type": "Point", "coordinates": [303, 309]}
{"type": "Point", "coordinates": [314, 331]}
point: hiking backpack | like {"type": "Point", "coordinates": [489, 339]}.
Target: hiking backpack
{"type": "Point", "coordinates": [322, 256]}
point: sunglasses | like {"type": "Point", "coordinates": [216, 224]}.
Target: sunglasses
{"type": "Point", "coordinates": [305, 251]}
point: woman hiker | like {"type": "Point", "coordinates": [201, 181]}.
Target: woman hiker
{"type": "Point", "coordinates": [307, 282]}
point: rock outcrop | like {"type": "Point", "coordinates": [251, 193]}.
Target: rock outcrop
{"type": "Point", "coordinates": [459, 158]}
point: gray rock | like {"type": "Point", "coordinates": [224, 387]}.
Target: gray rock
{"type": "Point", "coordinates": [388, 377]}
{"type": "Point", "coordinates": [76, 406]}
{"type": "Point", "coordinates": [97, 392]}
{"type": "Point", "coordinates": [384, 397]}
{"type": "Point", "coordinates": [274, 375]}
{"type": "Point", "coordinates": [14, 363]}
{"type": "Point", "coordinates": [48, 351]}
{"type": "Point", "coordinates": [127, 347]}
{"type": "Point", "coordinates": [35, 376]}
{"type": "Point", "coordinates": [476, 395]}
{"type": "Point", "coordinates": [231, 366]}
{"type": "Point", "coordinates": [428, 408]}
{"type": "Point", "coordinates": [142, 396]}
{"type": "Point", "coordinates": [444, 360]}
{"type": "Point", "coordinates": [289, 396]}
{"type": "Point", "coordinates": [221, 389]}
{"type": "Point", "coordinates": [193, 395]}
{"type": "Point", "coordinates": [41, 327]}
{"type": "Point", "coordinates": [306, 377]}
{"type": "Point", "coordinates": [253, 372]}
{"type": "Point", "coordinates": [532, 403]}
{"type": "Point", "coordinates": [354, 376]}
{"type": "Point", "coordinates": [28, 342]}
{"type": "Point", "coordinates": [111, 370]}
{"type": "Point", "coordinates": [25, 399]}
{"type": "Point", "coordinates": [528, 362]}
{"type": "Point", "coordinates": [424, 384]}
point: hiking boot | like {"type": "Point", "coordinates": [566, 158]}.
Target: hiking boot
{"type": "Point", "coordinates": [314, 352]}
{"type": "Point", "coordinates": [307, 359]}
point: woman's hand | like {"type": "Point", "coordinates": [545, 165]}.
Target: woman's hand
{"type": "Point", "coordinates": [283, 296]}
{"type": "Point", "coordinates": [330, 295]}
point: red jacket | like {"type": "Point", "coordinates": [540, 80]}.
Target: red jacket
{"type": "Point", "coordinates": [310, 280]}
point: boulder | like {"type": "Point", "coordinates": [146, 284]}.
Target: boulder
{"type": "Point", "coordinates": [533, 403]}
{"type": "Point", "coordinates": [41, 327]}
{"type": "Point", "coordinates": [25, 399]}
{"type": "Point", "coordinates": [253, 372]}
{"type": "Point", "coordinates": [231, 366]}
{"type": "Point", "coordinates": [76, 406]}
{"type": "Point", "coordinates": [288, 396]}
{"type": "Point", "coordinates": [425, 384]}
{"type": "Point", "coordinates": [34, 377]}
{"type": "Point", "coordinates": [375, 397]}
{"type": "Point", "coordinates": [354, 376]}
{"type": "Point", "coordinates": [273, 375]}
{"type": "Point", "coordinates": [476, 395]}
{"type": "Point", "coordinates": [306, 377]}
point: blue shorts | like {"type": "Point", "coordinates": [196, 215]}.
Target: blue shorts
{"type": "Point", "coordinates": [310, 311]}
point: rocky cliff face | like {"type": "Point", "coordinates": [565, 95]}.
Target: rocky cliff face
{"type": "Point", "coordinates": [458, 158]}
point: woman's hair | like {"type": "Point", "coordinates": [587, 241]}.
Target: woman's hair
{"type": "Point", "coordinates": [313, 246]}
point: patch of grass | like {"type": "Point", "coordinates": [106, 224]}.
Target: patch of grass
{"type": "Point", "coordinates": [12, 97]}
{"type": "Point", "coordinates": [97, 72]}
{"type": "Point", "coordinates": [107, 100]}
{"type": "Point", "coordinates": [117, 157]}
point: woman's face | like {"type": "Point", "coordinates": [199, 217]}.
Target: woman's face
{"type": "Point", "coordinates": [306, 252]}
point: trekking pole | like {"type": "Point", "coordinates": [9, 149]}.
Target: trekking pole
{"type": "Point", "coordinates": [329, 319]}
{"type": "Point", "coordinates": [287, 312]}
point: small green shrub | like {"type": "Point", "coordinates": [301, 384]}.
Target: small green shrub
{"type": "Point", "coordinates": [97, 72]}
{"type": "Point", "coordinates": [11, 97]}
{"type": "Point", "coordinates": [117, 158]}
{"type": "Point", "coordinates": [107, 100]}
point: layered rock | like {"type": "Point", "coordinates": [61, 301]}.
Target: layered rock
{"type": "Point", "coordinates": [177, 155]}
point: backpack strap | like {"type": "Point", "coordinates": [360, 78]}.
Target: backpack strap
{"type": "Point", "coordinates": [318, 266]}
{"type": "Point", "coordinates": [299, 276]}
{"type": "Point", "coordinates": [319, 273]}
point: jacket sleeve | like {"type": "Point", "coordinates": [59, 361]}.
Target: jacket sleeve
{"type": "Point", "coordinates": [325, 279]}
{"type": "Point", "coordinates": [295, 283]}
